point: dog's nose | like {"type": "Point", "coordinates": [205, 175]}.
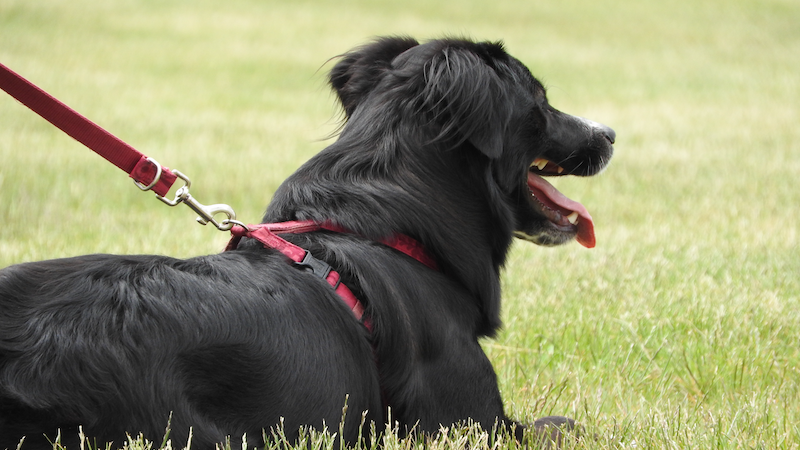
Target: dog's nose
{"type": "Point", "coordinates": [609, 134]}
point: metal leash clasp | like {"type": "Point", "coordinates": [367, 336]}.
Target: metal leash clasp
{"type": "Point", "coordinates": [206, 213]}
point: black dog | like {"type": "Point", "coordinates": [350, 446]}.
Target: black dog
{"type": "Point", "coordinates": [445, 142]}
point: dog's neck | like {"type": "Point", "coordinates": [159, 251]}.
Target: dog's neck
{"type": "Point", "coordinates": [397, 196]}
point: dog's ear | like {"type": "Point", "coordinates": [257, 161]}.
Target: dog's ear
{"type": "Point", "coordinates": [467, 95]}
{"type": "Point", "coordinates": [359, 71]}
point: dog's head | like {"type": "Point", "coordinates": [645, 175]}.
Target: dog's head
{"type": "Point", "coordinates": [475, 94]}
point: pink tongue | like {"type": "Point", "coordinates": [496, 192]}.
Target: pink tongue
{"type": "Point", "coordinates": [546, 191]}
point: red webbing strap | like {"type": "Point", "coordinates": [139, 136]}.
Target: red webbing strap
{"type": "Point", "coordinates": [88, 133]}
{"type": "Point", "coordinates": [400, 242]}
{"type": "Point", "coordinates": [264, 234]}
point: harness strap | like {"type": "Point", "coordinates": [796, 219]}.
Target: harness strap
{"type": "Point", "coordinates": [267, 234]}
{"type": "Point", "coordinates": [400, 242]}
{"type": "Point", "coordinates": [147, 173]}
{"type": "Point", "coordinates": [302, 259]}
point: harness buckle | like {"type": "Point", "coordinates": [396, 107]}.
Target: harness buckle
{"type": "Point", "coordinates": [315, 266]}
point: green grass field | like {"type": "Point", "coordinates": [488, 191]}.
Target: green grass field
{"type": "Point", "coordinates": [680, 330]}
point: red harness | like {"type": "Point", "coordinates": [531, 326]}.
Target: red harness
{"type": "Point", "coordinates": [267, 234]}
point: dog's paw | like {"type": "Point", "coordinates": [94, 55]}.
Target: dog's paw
{"type": "Point", "coordinates": [551, 432]}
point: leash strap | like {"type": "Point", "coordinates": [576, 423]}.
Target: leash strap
{"type": "Point", "coordinates": [146, 172]}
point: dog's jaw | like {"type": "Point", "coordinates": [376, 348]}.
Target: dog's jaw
{"type": "Point", "coordinates": [565, 215]}
{"type": "Point", "coordinates": [554, 225]}
{"type": "Point", "coordinates": [575, 146]}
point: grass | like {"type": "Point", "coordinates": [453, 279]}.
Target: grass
{"type": "Point", "coordinates": [680, 330]}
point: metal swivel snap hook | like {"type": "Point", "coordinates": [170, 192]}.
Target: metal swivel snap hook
{"type": "Point", "coordinates": [206, 213]}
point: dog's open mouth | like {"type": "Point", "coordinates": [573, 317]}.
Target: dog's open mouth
{"type": "Point", "coordinates": [563, 212]}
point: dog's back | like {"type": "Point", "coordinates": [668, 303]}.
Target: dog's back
{"type": "Point", "coordinates": [225, 343]}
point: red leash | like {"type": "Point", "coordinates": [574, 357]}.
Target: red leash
{"type": "Point", "coordinates": [147, 173]}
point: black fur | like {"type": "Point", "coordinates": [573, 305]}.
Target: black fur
{"type": "Point", "coordinates": [437, 145]}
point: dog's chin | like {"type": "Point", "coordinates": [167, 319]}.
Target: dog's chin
{"type": "Point", "coordinates": [548, 234]}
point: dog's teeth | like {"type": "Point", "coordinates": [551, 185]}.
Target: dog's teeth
{"type": "Point", "coordinates": [573, 218]}
{"type": "Point", "coordinates": [540, 163]}
{"type": "Point", "coordinates": [560, 169]}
